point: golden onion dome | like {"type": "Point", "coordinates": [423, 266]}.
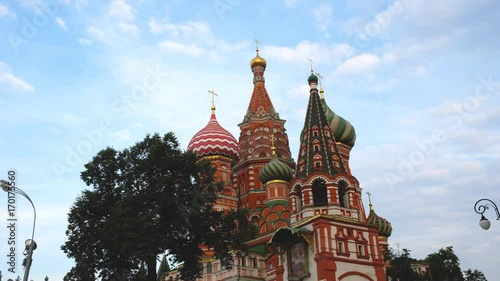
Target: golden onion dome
{"type": "Point", "coordinates": [258, 61]}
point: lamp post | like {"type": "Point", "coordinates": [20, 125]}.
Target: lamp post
{"type": "Point", "coordinates": [30, 243]}
{"type": "Point", "coordinates": [484, 222]}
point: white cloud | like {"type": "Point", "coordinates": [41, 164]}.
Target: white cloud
{"type": "Point", "coordinates": [192, 38]}
{"type": "Point", "coordinates": [84, 41]}
{"type": "Point", "coordinates": [291, 3]}
{"type": "Point", "coordinates": [13, 81]}
{"type": "Point", "coordinates": [188, 49]}
{"type": "Point", "coordinates": [184, 31]}
{"type": "Point", "coordinates": [442, 12]}
{"type": "Point", "coordinates": [420, 70]}
{"type": "Point", "coordinates": [121, 135]}
{"type": "Point", "coordinates": [72, 119]}
{"type": "Point", "coordinates": [34, 5]}
{"type": "Point", "coordinates": [322, 15]}
{"type": "Point", "coordinates": [300, 91]}
{"type": "Point", "coordinates": [319, 53]}
{"type": "Point", "coordinates": [97, 33]}
{"type": "Point", "coordinates": [359, 64]}
{"type": "Point", "coordinates": [6, 12]}
{"type": "Point", "coordinates": [61, 23]}
{"type": "Point", "coordinates": [120, 9]}
{"type": "Point", "coordinates": [128, 28]}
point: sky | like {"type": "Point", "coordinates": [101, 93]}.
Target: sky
{"type": "Point", "coordinates": [418, 79]}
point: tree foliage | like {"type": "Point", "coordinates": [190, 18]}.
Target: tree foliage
{"type": "Point", "coordinates": [445, 265]}
{"type": "Point", "coordinates": [474, 275]}
{"type": "Point", "coordinates": [402, 266]}
{"type": "Point", "coordinates": [146, 200]}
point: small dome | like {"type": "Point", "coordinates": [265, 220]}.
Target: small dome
{"type": "Point", "coordinates": [312, 78]}
{"type": "Point", "coordinates": [383, 225]}
{"type": "Point", "coordinates": [275, 170]}
{"type": "Point", "coordinates": [258, 61]}
{"type": "Point", "coordinates": [214, 140]}
{"type": "Point", "coordinates": [342, 129]}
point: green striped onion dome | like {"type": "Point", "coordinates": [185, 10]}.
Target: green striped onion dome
{"type": "Point", "coordinates": [275, 170]}
{"type": "Point", "coordinates": [342, 129]}
{"type": "Point", "coordinates": [383, 225]}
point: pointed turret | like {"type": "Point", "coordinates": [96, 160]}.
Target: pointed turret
{"type": "Point", "coordinates": [318, 152]}
{"type": "Point", "coordinates": [260, 103]}
{"type": "Point", "coordinates": [265, 164]}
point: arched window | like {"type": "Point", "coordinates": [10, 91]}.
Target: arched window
{"type": "Point", "coordinates": [343, 198]}
{"type": "Point", "coordinates": [298, 190]}
{"type": "Point", "coordinates": [209, 267]}
{"type": "Point", "coordinates": [320, 195]}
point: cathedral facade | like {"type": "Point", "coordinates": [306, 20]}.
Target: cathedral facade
{"type": "Point", "coordinates": [309, 214]}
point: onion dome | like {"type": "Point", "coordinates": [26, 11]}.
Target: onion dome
{"type": "Point", "coordinates": [383, 225]}
{"type": "Point", "coordinates": [312, 78]}
{"type": "Point", "coordinates": [275, 170]}
{"type": "Point", "coordinates": [258, 61]}
{"type": "Point", "coordinates": [214, 140]}
{"type": "Point", "coordinates": [342, 129]}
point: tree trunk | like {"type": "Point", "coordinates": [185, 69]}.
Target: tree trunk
{"type": "Point", "coordinates": [151, 261]}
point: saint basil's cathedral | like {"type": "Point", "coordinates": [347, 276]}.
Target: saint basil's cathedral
{"type": "Point", "coordinates": [309, 214]}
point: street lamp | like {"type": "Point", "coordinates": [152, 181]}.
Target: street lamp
{"type": "Point", "coordinates": [30, 243]}
{"type": "Point", "coordinates": [484, 222]}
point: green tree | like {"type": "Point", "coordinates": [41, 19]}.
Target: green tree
{"type": "Point", "coordinates": [445, 265]}
{"type": "Point", "coordinates": [475, 275]}
{"type": "Point", "coordinates": [146, 200]}
{"type": "Point", "coordinates": [402, 266]}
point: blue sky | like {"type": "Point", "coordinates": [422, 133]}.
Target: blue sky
{"type": "Point", "coordinates": [418, 80]}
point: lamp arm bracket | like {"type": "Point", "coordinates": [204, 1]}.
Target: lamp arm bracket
{"type": "Point", "coordinates": [480, 209]}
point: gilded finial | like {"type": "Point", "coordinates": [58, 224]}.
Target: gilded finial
{"type": "Point", "coordinates": [370, 200]}
{"type": "Point", "coordinates": [311, 62]}
{"type": "Point", "coordinates": [321, 91]}
{"type": "Point", "coordinates": [256, 45]}
{"type": "Point", "coordinates": [213, 93]}
{"type": "Point", "coordinates": [273, 148]}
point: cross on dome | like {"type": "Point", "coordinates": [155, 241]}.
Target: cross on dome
{"type": "Point", "coordinates": [213, 93]}
{"type": "Point", "coordinates": [257, 42]}
{"type": "Point", "coordinates": [370, 199]}
{"type": "Point", "coordinates": [311, 62]}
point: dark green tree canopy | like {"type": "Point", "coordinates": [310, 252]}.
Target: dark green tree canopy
{"type": "Point", "coordinates": [402, 266]}
{"type": "Point", "coordinates": [445, 265]}
{"type": "Point", "coordinates": [146, 200]}
{"type": "Point", "coordinates": [474, 275]}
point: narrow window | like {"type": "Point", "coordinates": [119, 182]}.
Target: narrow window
{"type": "Point", "coordinates": [320, 194]}
{"type": "Point", "coordinates": [361, 250]}
{"type": "Point", "coordinates": [343, 200]}
{"type": "Point", "coordinates": [341, 247]}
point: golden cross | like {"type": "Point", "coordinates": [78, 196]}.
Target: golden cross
{"type": "Point", "coordinates": [213, 93]}
{"type": "Point", "coordinates": [256, 44]}
{"type": "Point", "coordinates": [369, 197]}
{"type": "Point", "coordinates": [320, 77]}
{"type": "Point", "coordinates": [311, 62]}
